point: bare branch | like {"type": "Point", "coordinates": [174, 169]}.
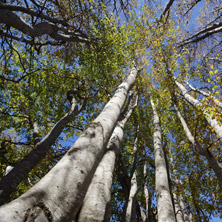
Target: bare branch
{"type": "Point", "coordinates": [204, 33]}
{"type": "Point", "coordinates": [167, 8]}
{"type": "Point", "coordinates": [193, 5]}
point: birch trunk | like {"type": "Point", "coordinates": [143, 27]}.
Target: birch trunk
{"type": "Point", "coordinates": [182, 206]}
{"type": "Point", "coordinates": [20, 171]}
{"type": "Point", "coordinates": [59, 195]}
{"type": "Point", "coordinates": [179, 205]}
{"type": "Point", "coordinates": [164, 201]}
{"type": "Point", "coordinates": [146, 192]}
{"type": "Point", "coordinates": [96, 203]}
{"type": "Point", "coordinates": [178, 211]}
{"type": "Point", "coordinates": [131, 204]}
{"type": "Point", "coordinates": [147, 195]}
{"type": "Point", "coordinates": [196, 103]}
{"type": "Point", "coordinates": [200, 150]}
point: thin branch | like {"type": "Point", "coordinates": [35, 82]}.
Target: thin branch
{"type": "Point", "coordinates": [204, 33]}
{"type": "Point", "coordinates": [195, 3]}
{"type": "Point", "coordinates": [30, 12]}
{"type": "Point", "coordinates": [20, 79]}
{"type": "Point", "coordinates": [167, 8]}
{"type": "Point", "coordinates": [16, 143]}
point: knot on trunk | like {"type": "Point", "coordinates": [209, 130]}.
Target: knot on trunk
{"type": "Point", "coordinates": [39, 212]}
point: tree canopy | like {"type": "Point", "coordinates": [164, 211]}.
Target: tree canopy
{"type": "Point", "coordinates": [126, 95]}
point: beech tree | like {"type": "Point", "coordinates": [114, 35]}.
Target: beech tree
{"type": "Point", "coordinates": [110, 110]}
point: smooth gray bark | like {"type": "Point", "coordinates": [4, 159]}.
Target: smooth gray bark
{"type": "Point", "coordinates": [98, 196]}
{"type": "Point", "coordinates": [179, 205]}
{"type": "Point", "coordinates": [36, 133]}
{"type": "Point", "coordinates": [196, 103]}
{"type": "Point", "coordinates": [146, 192]}
{"type": "Point", "coordinates": [20, 171]}
{"type": "Point", "coordinates": [164, 201]}
{"type": "Point", "coordinates": [178, 211]}
{"type": "Point", "coordinates": [59, 195]}
{"type": "Point", "coordinates": [200, 150]}
{"type": "Point", "coordinates": [182, 206]}
{"type": "Point", "coordinates": [207, 94]}
{"type": "Point", "coordinates": [131, 204]}
{"type": "Point", "coordinates": [147, 195]}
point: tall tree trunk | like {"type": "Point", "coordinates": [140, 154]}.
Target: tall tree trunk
{"type": "Point", "coordinates": [182, 206]}
{"type": "Point", "coordinates": [164, 200]}
{"type": "Point", "coordinates": [59, 195]}
{"type": "Point", "coordinates": [179, 206]}
{"type": "Point", "coordinates": [97, 201]}
{"type": "Point", "coordinates": [178, 211]}
{"type": "Point", "coordinates": [146, 192]}
{"type": "Point", "coordinates": [131, 204]}
{"type": "Point", "coordinates": [196, 103]}
{"type": "Point", "coordinates": [20, 171]}
{"type": "Point", "coordinates": [200, 150]}
{"type": "Point", "coordinates": [125, 182]}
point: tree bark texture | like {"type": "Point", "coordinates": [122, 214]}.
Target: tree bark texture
{"type": "Point", "coordinates": [182, 206]}
{"type": "Point", "coordinates": [146, 192]}
{"type": "Point", "coordinates": [59, 195]}
{"type": "Point", "coordinates": [178, 211]}
{"type": "Point", "coordinates": [97, 201]}
{"type": "Point", "coordinates": [164, 201]}
{"type": "Point", "coordinates": [131, 204]}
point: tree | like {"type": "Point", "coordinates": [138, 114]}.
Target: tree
{"type": "Point", "coordinates": [91, 143]}
{"type": "Point", "coordinates": [121, 162]}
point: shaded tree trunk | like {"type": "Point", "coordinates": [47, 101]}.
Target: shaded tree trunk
{"type": "Point", "coordinates": [178, 211]}
{"type": "Point", "coordinates": [59, 195]}
{"type": "Point", "coordinates": [147, 194]}
{"type": "Point", "coordinates": [179, 205]}
{"type": "Point", "coordinates": [164, 200]}
{"type": "Point", "coordinates": [131, 204]}
{"type": "Point", "coordinates": [200, 150]}
{"type": "Point", "coordinates": [20, 171]}
{"type": "Point", "coordinates": [182, 206]}
{"type": "Point", "coordinates": [97, 201]}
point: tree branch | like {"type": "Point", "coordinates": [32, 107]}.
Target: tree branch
{"type": "Point", "coordinates": [167, 8]}
{"type": "Point", "coordinates": [55, 32]}
{"type": "Point", "coordinates": [204, 33]}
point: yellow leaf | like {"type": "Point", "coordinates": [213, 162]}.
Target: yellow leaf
{"type": "Point", "coordinates": [211, 73]}
{"type": "Point", "coordinates": [212, 66]}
